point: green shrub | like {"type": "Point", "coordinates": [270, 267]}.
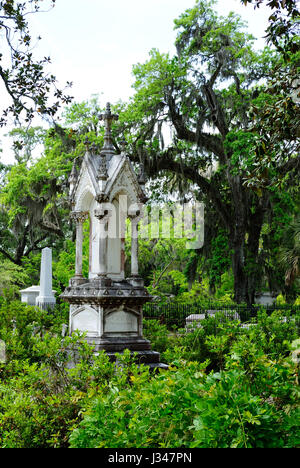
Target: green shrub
{"type": "Point", "coordinates": [274, 333]}
{"type": "Point", "coordinates": [183, 407]}
{"type": "Point", "coordinates": [41, 402]}
{"type": "Point", "coordinates": [20, 323]}
{"type": "Point", "coordinates": [231, 414]}
{"type": "Point", "coordinates": [157, 333]}
{"type": "Point", "coordinates": [227, 386]}
{"type": "Point", "coordinates": [150, 412]}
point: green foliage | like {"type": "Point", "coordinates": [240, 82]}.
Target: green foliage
{"type": "Point", "coordinates": [282, 28]}
{"type": "Point", "coordinates": [161, 263]}
{"type": "Point", "coordinates": [252, 402]}
{"type": "Point", "coordinates": [64, 266]}
{"type": "Point", "coordinates": [241, 145]}
{"type": "Point", "coordinates": [290, 252]}
{"type": "Point", "coordinates": [150, 412]}
{"type": "Point", "coordinates": [20, 323]}
{"type": "Point", "coordinates": [205, 47]}
{"type": "Point", "coordinates": [157, 73]}
{"type": "Point", "coordinates": [11, 278]}
{"type": "Point", "coordinates": [25, 141]}
{"type": "Point", "coordinates": [280, 300]}
{"type": "Point", "coordinates": [226, 386]}
{"type": "Point", "coordinates": [220, 260]}
{"type": "Point", "coordinates": [233, 415]}
{"type": "Point", "coordinates": [157, 334]}
{"type": "Point", "coordinates": [41, 395]}
{"type": "Point", "coordinates": [41, 402]}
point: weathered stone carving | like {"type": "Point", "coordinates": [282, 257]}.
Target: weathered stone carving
{"type": "Point", "coordinates": [108, 118]}
{"type": "Point", "coordinates": [79, 217]}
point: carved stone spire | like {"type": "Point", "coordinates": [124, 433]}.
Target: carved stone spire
{"type": "Point", "coordinates": [102, 170]}
{"type": "Point", "coordinates": [108, 147]}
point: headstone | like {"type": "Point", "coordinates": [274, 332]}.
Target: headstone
{"type": "Point", "coordinates": [46, 299]}
{"type": "Point", "coordinates": [64, 329]}
{"type": "Point", "coordinates": [265, 299]}
{"type": "Point", "coordinates": [30, 294]}
{"type": "Point", "coordinates": [194, 321]}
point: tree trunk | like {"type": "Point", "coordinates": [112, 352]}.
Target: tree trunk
{"type": "Point", "coordinates": [237, 229]}
{"type": "Point", "coordinates": [237, 234]}
{"type": "Point", "coordinates": [246, 270]}
{"type": "Point", "coordinates": [252, 250]}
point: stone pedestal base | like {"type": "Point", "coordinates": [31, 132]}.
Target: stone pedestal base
{"type": "Point", "coordinates": [45, 302]}
{"type": "Point", "coordinates": [77, 281]}
{"type": "Point", "coordinates": [119, 344]}
{"type": "Point", "coordinates": [149, 358]}
{"type": "Point", "coordinates": [110, 314]}
{"type": "Point", "coordinates": [136, 281]}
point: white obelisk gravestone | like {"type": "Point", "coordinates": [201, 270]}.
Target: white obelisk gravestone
{"type": "Point", "coordinates": [46, 298]}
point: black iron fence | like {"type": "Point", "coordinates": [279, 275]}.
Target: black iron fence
{"type": "Point", "coordinates": [175, 314]}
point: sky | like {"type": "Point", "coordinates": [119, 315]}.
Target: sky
{"type": "Point", "coordinates": [95, 43]}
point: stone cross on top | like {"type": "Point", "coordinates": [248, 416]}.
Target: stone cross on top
{"type": "Point", "coordinates": [108, 118]}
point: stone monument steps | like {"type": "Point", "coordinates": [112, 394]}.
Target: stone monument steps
{"type": "Point", "coordinates": [119, 344]}
{"type": "Point", "coordinates": [141, 357]}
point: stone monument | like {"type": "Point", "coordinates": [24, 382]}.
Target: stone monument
{"type": "Point", "coordinates": [30, 294]}
{"type": "Point", "coordinates": [46, 299]}
{"type": "Point", "coordinates": [106, 306]}
{"type": "Point", "coordinates": [43, 294]}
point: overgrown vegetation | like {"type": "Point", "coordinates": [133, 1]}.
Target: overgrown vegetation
{"type": "Point", "coordinates": [226, 386]}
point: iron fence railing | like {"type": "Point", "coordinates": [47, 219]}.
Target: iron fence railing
{"type": "Point", "coordinates": [175, 314]}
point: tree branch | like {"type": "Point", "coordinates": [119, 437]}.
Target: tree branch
{"type": "Point", "coordinates": [209, 142]}
{"type": "Point", "coordinates": [167, 162]}
{"type": "Point", "coordinates": [8, 256]}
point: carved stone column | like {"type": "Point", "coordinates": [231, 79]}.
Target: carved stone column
{"type": "Point", "coordinates": [135, 216]}
{"type": "Point", "coordinates": [103, 215]}
{"type": "Point", "coordinates": [79, 217]}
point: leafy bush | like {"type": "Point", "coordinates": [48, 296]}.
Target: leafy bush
{"type": "Point", "coordinates": [157, 333]}
{"type": "Point", "coordinates": [11, 278]}
{"type": "Point", "coordinates": [184, 407]}
{"type": "Point", "coordinates": [232, 414]}
{"type": "Point", "coordinates": [40, 402]}
{"type": "Point", "coordinates": [150, 412]}
{"type": "Point", "coordinates": [248, 399]}
{"type": "Point", "coordinates": [19, 323]}
{"type": "Point", "coordinates": [226, 386]}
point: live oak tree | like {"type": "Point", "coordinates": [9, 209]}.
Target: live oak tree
{"type": "Point", "coordinates": [35, 213]}
{"type": "Point", "coordinates": [202, 97]}
{"type": "Point", "coordinates": [31, 89]}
